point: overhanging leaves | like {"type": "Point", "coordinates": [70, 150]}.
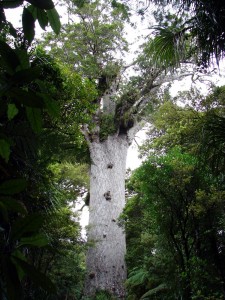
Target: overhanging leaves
{"type": "Point", "coordinates": [42, 18]}
{"type": "Point", "coordinates": [27, 75]}
{"type": "Point", "coordinates": [26, 226]}
{"type": "Point", "coordinates": [13, 186]}
{"type": "Point", "coordinates": [43, 4]}
{"type": "Point", "coordinates": [28, 98]}
{"type": "Point", "coordinates": [28, 25]}
{"type": "Point", "coordinates": [8, 57]}
{"type": "Point", "coordinates": [33, 10]}
{"type": "Point", "coordinates": [12, 205]}
{"type": "Point", "coordinates": [54, 20]}
{"type": "Point", "coordinates": [11, 3]}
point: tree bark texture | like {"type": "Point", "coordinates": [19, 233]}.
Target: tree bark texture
{"type": "Point", "coordinates": [106, 268]}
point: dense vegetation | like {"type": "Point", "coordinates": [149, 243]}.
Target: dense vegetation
{"type": "Point", "coordinates": [174, 217]}
{"type": "Point", "coordinates": [39, 240]}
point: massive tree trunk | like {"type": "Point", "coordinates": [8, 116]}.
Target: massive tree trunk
{"type": "Point", "coordinates": [106, 269]}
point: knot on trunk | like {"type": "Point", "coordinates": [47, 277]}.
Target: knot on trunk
{"type": "Point", "coordinates": [108, 196]}
{"type": "Point", "coordinates": [92, 275]}
{"type": "Point", "coordinates": [110, 166]}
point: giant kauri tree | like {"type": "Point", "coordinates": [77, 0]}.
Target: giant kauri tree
{"type": "Point", "coordinates": [93, 44]}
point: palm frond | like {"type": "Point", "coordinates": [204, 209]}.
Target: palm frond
{"type": "Point", "coordinates": [207, 26]}
{"type": "Point", "coordinates": [167, 48]}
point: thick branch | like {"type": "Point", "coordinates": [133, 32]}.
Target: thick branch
{"type": "Point", "coordinates": [124, 111]}
{"type": "Point", "coordinates": [150, 88]}
{"type": "Point", "coordinates": [134, 130]}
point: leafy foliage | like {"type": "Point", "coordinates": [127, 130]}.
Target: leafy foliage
{"type": "Point", "coordinates": [38, 233]}
{"type": "Point", "coordinates": [175, 232]}
{"type": "Point", "coordinates": [94, 46]}
{"type": "Point", "coordinates": [174, 221]}
{"type": "Point", "coordinates": [88, 45]}
{"type": "Point", "coordinates": [107, 126]}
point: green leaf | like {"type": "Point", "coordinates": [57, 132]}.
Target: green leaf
{"type": "Point", "coordinates": [38, 278]}
{"type": "Point", "coordinates": [11, 3]}
{"type": "Point", "coordinates": [28, 25]}
{"type": "Point", "coordinates": [26, 226]}
{"type": "Point", "coordinates": [42, 18]}
{"type": "Point", "coordinates": [12, 111]}
{"type": "Point", "coordinates": [12, 30]}
{"type": "Point", "coordinates": [9, 59]}
{"type": "Point", "coordinates": [26, 76]}
{"type": "Point", "coordinates": [42, 4]}
{"type": "Point", "coordinates": [27, 98]}
{"type": "Point", "coordinates": [52, 107]}
{"type": "Point", "coordinates": [2, 19]}
{"type": "Point", "coordinates": [50, 104]}
{"type": "Point", "coordinates": [54, 20]}
{"type": "Point", "coordinates": [17, 253]}
{"type": "Point", "coordinates": [13, 186]}
{"type": "Point", "coordinates": [33, 10]}
{"type": "Point", "coordinates": [4, 213]}
{"type": "Point", "coordinates": [35, 118]}
{"type": "Point", "coordinates": [13, 205]}
{"type": "Point", "coordinates": [13, 286]}
{"type": "Point", "coordinates": [4, 149]}
{"type": "Point", "coordinates": [39, 240]}
{"type": "Point", "coordinates": [23, 58]}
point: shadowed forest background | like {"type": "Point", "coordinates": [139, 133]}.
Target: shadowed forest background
{"type": "Point", "coordinates": [53, 93]}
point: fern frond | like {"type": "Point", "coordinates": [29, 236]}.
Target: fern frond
{"type": "Point", "coordinates": [137, 277]}
{"type": "Point", "coordinates": [160, 288]}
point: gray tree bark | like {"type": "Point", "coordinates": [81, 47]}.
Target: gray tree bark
{"type": "Point", "coordinates": [106, 269]}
